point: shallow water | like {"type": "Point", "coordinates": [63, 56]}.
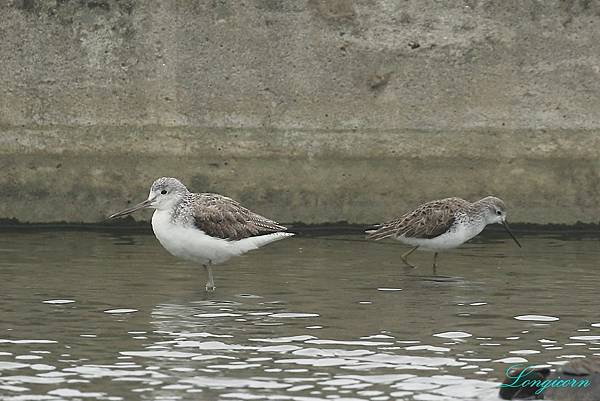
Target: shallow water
{"type": "Point", "coordinates": [112, 316]}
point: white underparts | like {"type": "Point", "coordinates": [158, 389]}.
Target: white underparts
{"type": "Point", "coordinates": [194, 245]}
{"type": "Point", "coordinates": [456, 236]}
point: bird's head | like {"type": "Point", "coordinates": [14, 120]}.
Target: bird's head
{"type": "Point", "coordinates": [164, 194]}
{"type": "Point", "coordinates": [494, 211]}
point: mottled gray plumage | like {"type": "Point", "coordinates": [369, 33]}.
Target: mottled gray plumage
{"type": "Point", "coordinates": [223, 217]}
{"type": "Point", "coordinates": [442, 224]}
{"type": "Point", "coordinates": [429, 220]}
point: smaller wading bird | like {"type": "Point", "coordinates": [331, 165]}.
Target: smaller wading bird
{"type": "Point", "coordinates": [443, 224]}
{"type": "Point", "coordinates": [204, 228]}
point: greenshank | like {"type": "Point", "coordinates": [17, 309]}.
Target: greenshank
{"type": "Point", "coordinates": [443, 224]}
{"type": "Point", "coordinates": [205, 228]}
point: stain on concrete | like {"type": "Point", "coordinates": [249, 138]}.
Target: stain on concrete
{"type": "Point", "coordinates": [338, 10]}
{"type": "Point", "coordinates": [379, 80]}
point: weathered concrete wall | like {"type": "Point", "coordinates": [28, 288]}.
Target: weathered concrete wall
{"type": "Point", "coordinates": [313, 111]}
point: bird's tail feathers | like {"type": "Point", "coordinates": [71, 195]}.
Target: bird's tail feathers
{"type": "Point", "coordinates": [380, 232]}
{"type": "Point", "coordinates": [250, 243]}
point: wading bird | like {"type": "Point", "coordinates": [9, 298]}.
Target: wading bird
{"type": "Point", "coordinates": [443, 224]}
{"type": "Point", "coordinates": [205, 228]}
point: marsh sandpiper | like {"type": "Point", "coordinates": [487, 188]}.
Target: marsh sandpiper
{"type": "Point", "coordinates": [205, 228]}
{"type": "Point", "coordinates": [443, 224]}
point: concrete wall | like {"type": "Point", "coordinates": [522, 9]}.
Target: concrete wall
{"type": "Point", "coordinates": [304, 110]}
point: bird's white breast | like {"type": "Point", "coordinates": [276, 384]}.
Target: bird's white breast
{"type": "Point", "coordinates": [453, 238]}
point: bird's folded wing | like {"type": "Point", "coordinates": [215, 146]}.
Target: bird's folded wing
{"type": "Point", "coordinates": [427, 221]}
{"type": "Point", "coordinates": [223, 217]}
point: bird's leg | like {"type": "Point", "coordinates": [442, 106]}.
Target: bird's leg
{"type": "Point", "coordinates": [405, 255]}
{"type": "Point", "coordinates": [210, 284]}
{"type": "Point", "coordinates": [434, 262]}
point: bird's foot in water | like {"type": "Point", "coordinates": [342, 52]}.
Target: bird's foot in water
{"type": "Point", "coordinates": [210, 287]}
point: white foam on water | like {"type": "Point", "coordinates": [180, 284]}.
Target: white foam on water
{"type": "Point", "coordinates": [200, 334]}
{"type": "Point", "coordinates": [453, 334]}
{"type": "Point", "coordinates": [524, 352]}
{"type": "Point", "coordinates": [585, 338]}
{"type": "Point", "coordinates": [236, 366]}
{"type": "Point", "coordinates": [59, 301]}
{"type": "Point", "coordinates": [318, 362]}
{"type": "Point", "coordinates": [42, 367]}
{"type": "Point", "coordinates": [211, 345]}
{"type": "Point", "coordinates": [537, 318]}
{"type": "Point", "coordinates": [415, 362]}
{"type": "Point", "coordinates": [176, 387]}
{"type": "Point", "coordinates": [242, 396]}
{"type": "Point", "coordinates": [379, 379]}
{"type": "Point", "coordinates": [414, 386]}
{"type": "Point", "coordinates": [15, 389]}
{"type": "Point", "coordinates": [33, 379]}
{"type": "Point", "coordinates": [350, 342]}
{"type": "Point", "coordinates": [300, 387]}
{"type": "Point", "coordinates": [514, 359]}
{"type": "Point", "coordinates": [400, 394]}
{"type": "Point", "coordinates": [159, 354]}
{"type": "Point", "coordinates": [71, 393]}
{"type": "Point", "coordinates": [217, 315]}
{"type": "Point", "coordinates": [283, 339]}
{"type": "Point", "coordinates": [331, 352]}
{"type": "Point", "coordinates": [28, 357]}
{"type": "Point", "coordinates": [376, 336]}
{"type": "Point", "coordinates": [427, 348]}
{"type": "Point", "coordinates": [222, 382]}
{"type": "Point", "coordinates": [121, 310]}
{"type": "Point", "coordinates": [12, 365]}
{"type": "Point", "coordinates": [278, 348]}
{"type": "Point", "coordinates": [294, 315]}
{"type": "Point", "coordinates": [339, 382]}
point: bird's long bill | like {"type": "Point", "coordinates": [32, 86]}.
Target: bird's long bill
{"type": "Point", "coordinates": [132, 209]}
{"type": "Point", "coordinates": [505, 224]}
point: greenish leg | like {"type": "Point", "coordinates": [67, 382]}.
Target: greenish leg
{"type": "Point", "coordinates": [435, 263]}
{"type": "Point", "coordinates": [210, 284]}
{"type": "Point", "coordinates": [405, 255]}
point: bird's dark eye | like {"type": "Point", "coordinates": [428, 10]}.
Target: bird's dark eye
{"type": "Point", "coordinates": [498, 212]}
{"type": "Point", "coordinates": [164, 191]}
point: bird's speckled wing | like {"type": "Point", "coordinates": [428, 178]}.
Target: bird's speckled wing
{"type": "Point", "coordinates": [223, 217]}
{"type": "Point", "coordinates": [427, 221]}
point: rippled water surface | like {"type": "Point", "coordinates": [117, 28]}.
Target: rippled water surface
{"type": "Point", "coordinates": [112, 316]}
